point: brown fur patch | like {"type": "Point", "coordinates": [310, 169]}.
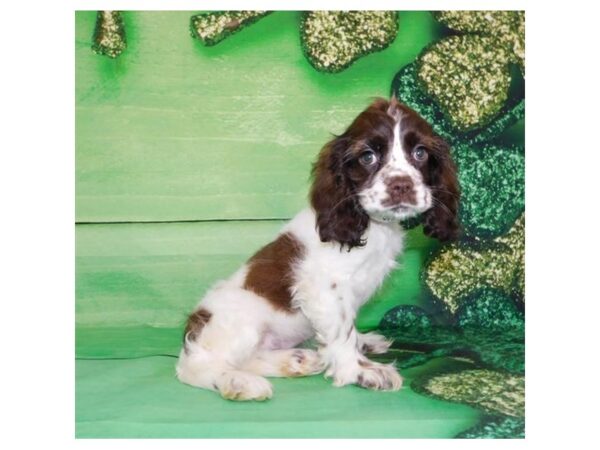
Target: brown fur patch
{"type": "Point", "coordinates": [270, 270]}
{"type": "Point", "coordinates": [195, 323]}
{"type": "Point", "coordinates": [364, 363]}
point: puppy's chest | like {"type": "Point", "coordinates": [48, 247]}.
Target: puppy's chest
{"type": "Point", "coordinates": [371, 274]}
{"type": "Point", "coordinates": [364, 269]}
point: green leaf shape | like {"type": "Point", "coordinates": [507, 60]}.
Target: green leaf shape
{"type": "Point", "coordinates": [109, 34]}
{"type": "Point", "coordinates": [503, 350]}
{"type": "Point", "coordinates": [491, 391]}
{"type": "Point", "coordinates": [488, 330]}
{"type": "Point", "coordinates": [506, 27]}
{"type": "Point", "coordinates": [407, 88]}
{"type": "Point", "coordinates": [490, 309]}
{"type": "Point", "coordinates": [493, 328]}
{"type": "Point", "coordinates": [492, 181]}
{"type": "Point", "coordinates": [495, 427]}
{"type": "Point", "coordinates": [468, 75]}
{"type": "Point", "coordinates": [459, 269]}
{"type": "Point", "coordinates": [333, 40]}
{"type": "Point", "coordinates": [211, 28]}
{"type": "Point", "coordinates": [407, 317]}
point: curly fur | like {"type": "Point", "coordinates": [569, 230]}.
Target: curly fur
{"type": "Point", "coordinates": [333, 196]}
{"type": "Point", "coordinates": [441, 221]}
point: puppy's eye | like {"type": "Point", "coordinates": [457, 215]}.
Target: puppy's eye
{"type": "Point", "coordinates": [368, 158]}
{"type": "Point", "coordinates": [420, 154]}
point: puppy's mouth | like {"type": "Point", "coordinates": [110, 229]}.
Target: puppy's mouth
{"type": "Point", "coordinates": [394, 213]}
{"type": "Point", "coordinates": [401, 208]}
{"type": "Point", "coordinates": [407, 208]}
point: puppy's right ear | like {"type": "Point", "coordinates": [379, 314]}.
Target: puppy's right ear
{"type": "Point", "coordinates": [340, 217]}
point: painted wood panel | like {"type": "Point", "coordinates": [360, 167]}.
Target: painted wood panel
{"type": "Point", "coordinates": [171, 130]}
{"type": "Point", "coordinates": [152, 275]}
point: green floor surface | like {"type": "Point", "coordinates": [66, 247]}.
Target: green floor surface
{"type": "Point", "coordinates": [142, 398]}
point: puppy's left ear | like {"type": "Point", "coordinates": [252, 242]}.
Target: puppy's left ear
{"type": "Point", "coordinates": [441, 221]}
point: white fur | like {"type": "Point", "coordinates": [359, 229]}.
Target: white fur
{"type": "Point", "coordinates": [371, 197]}
{"type": "Point", "coordinates": [246, 336]}
{"type": "Point", "coordinates": [332, 284]}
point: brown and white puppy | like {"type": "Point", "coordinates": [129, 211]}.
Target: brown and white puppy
{"type": "Point", "coordinates": [326, 263]}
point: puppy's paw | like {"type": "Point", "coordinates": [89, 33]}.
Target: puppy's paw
{"type": "Point", "coordinates": [242, 386]}
{"type": "Point", "coordinates": [378, 377]}
{"type": "Point", "coordinates": [373, 343]}
{"type": "Point", "coordinates": [303, 362]}
{"type": "Point", "coordinates": [368, 374]}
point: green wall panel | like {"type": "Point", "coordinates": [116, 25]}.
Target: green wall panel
{"type": "Point", "coordinates": [171, 130]}
{"type": "Point", "coordinates": [148, 277]}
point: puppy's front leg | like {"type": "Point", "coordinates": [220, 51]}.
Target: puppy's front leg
{"type": "Point", "coordinates": [332, 318]}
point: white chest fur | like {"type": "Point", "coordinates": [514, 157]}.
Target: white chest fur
{"type": "Point", "coordinates": [359, 271]}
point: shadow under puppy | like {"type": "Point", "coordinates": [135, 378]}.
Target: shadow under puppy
{"type": "Point", "coordinates": [326, 263]}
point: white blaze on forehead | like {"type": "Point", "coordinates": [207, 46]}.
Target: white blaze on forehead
{"type": "Point", "coordinates": [398, 162]}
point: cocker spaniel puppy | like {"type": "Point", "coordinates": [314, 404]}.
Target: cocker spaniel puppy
{"type": "Point", "coordinates": [325, 264]}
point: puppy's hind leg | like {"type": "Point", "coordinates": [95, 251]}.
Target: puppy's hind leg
{"type": "Point", "coordinates": [212, 357]}
{"type": "Point", "coordinates": [216, 376]}
{"type": "Point", "coordinates": [293, 362]}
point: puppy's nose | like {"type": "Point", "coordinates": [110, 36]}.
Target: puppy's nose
{"type": "Point", "coordinates": [400, 185]}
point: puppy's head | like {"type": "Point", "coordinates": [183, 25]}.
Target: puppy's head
{"type": "Point", "coordinates": [387, 166]}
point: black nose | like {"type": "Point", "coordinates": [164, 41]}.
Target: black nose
{"type": "Point", "coordinates": [400, 185]}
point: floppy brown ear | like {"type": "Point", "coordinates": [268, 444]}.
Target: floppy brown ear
{"type": "Point", "coordinates": [340, 218]}
{"type": "Point", "coordinates": [441, 221]}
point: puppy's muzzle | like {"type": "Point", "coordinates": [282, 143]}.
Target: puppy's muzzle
{"type": "Point", "coordinates": [400, 190]}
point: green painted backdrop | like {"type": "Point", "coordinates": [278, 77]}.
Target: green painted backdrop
{"type": "Point", "coordinates": [188, 159]}
{"type": "Point", "coordinates": [219, 138]}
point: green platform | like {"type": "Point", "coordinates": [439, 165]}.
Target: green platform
{"type": "Point", "coordinates": [142, 398]}
{"type": "Point", "coordinates": [188, 159]}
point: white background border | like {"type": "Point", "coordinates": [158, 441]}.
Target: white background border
{"type": "Point", "coordinates": [37, 239]}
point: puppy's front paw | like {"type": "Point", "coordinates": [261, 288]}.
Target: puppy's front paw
{"type": "Point", "coordinates": [379, 377]}
{"type": "Point", "coordinates": [370, 375]}
{"type": "Point", "coordinates": [244, 386]}
{"type": "Point", "coordinates": [373, 343]}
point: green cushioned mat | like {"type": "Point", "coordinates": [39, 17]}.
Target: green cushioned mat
{"type": "Point", "coordinates": [142, 398]}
